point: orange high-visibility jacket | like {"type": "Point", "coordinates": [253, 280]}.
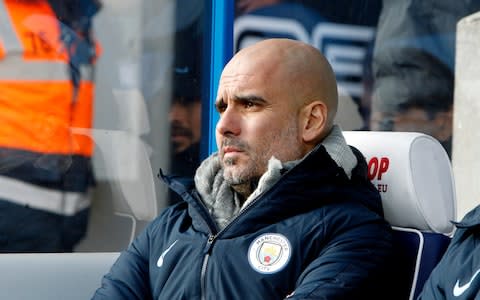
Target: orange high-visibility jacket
{"type": "Point", "coordinates": [42, 163]}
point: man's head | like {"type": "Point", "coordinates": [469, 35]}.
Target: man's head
{"type": "Point", "coordinates": [275, 98]}
{"type": "Point", "coordinates": [185, 111]}
{"type": "Point", "coordinates": [433, 121]}
{"type": "Point", "coordinates": [415, 95]}
{"type": "Point", "coordinates": [185, 123]}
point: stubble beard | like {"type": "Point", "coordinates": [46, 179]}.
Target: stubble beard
{"type": "Point", "coordinates": [245, 181]}
{"type": "Point", "coordinates": [234, 176]}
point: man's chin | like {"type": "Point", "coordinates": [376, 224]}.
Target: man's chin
{"type": "Point", "coordinates": [242, 184]}
{"type": "Point", "coordinates": [236, 175]}
{"type": "Point", "coordinates": [238, 184]}
{"type": "Point", "coordinates": [232, 176]}
{"type": "Point", "coordinates": [180, 144]}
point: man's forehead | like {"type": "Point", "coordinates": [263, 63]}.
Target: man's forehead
{"type": "Point", "coordinates": [248, 75]}
{"type": "Point", "coordinates": [243, 86]}
{"type": "Point", "coordinates": [234, 83]}
{"type": "Point", "coordinates": [234, 78]}
{"type": "Point", "coordinates": [260, 60]}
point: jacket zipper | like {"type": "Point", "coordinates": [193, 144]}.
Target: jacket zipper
{"type": "Point", "coordinates": [208, 247]}
{"type": "Point", "coordinates": [212, 237]}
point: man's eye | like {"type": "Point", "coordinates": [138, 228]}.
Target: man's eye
{"type": "Point", "coordinates": [249, 104]}
{"type": "Point", "coordinates": [221, 107]}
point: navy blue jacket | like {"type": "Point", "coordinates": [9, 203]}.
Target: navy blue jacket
{"type": "Point", "coordinates": [315, 234]}
{"type": "Point", "coordinates": [457, 275]}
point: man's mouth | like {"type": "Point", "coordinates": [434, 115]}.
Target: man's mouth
{"type": "Point", "coordinates": [230, 149]}
{"type": "Point", "coordinates": [180, 132]}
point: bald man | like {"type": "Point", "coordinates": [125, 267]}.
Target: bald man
{"type": "Point", "coordinates": [282, 210]}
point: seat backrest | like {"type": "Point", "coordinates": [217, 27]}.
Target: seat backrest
{"type": "Point", "coordinates": [122, 160]}
{"type": "Point", "coordinates": [128, 168]}
{"type": "Point", "coordinates": [53, 275]}
{"type": "Point", "coordinates": [413, 174]}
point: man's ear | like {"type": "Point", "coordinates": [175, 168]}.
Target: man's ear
{"type": "Point", "coordinates": [315, 121]}
{"type": "Point", "coordinates": [444, 124]}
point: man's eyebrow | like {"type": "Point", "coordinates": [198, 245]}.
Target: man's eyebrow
{"type": "Point", "coordinates": [242, 99]}
{"type": "Point", "coordinates": [250, 98]}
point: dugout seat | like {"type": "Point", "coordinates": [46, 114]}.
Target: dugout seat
{"type": "Point", "coordinates": [52, 276]}
{"type": "Point", "coordinates": [413, 174]}
{"type": "Point", "coordinates": [122, 163]}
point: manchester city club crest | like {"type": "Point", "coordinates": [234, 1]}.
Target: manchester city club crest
{"type": "Point", "coordinates": [269, 253]}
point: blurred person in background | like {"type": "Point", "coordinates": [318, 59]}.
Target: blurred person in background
{"type": "Point", "coordinates": [47, 54]}
{"type": "Point", "coordinates": [185, 125]}
{"type": "Point", "coordinates": [413, 66]}
{"type": "Point", "coordinates": [185, 113]}
{"type": "Point", "coordinates": [455, 277]}
{"type": "Point", "coordinates": [425, 103]}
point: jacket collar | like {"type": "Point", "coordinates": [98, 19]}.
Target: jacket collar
{"type": "Point", "coordinates": [223, 203]}
{"type": "Point", "coordinates": [470, 220]}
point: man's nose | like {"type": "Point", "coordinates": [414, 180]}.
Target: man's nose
{"type": "Point", "coordinates": [229, 122]}
{"type": "Point", "coordinates": [176, 113]}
